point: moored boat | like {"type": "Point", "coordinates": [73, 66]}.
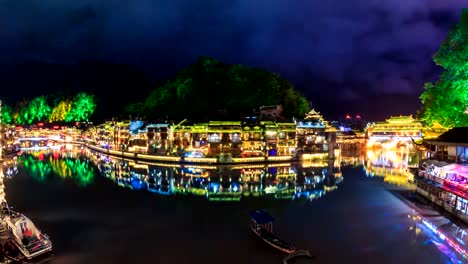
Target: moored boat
{"type": "Point", "coordinates": [262, 226]}
{"type": "Point", "coordinates": [24, 235]}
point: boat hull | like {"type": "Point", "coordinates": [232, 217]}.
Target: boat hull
{"type": "Point", "coordinates": [273, 240]}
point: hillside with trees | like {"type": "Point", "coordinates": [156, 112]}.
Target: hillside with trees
{"type": "Point", "coordinates": [210, 88]}
{"type": "Point", "coordinates": [50, 109]}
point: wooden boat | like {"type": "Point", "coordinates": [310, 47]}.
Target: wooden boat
{"type": "Point", "coordinates": [262, 226]}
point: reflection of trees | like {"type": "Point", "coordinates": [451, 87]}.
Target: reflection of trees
{"type": "Point", "coordinates": [38, 169]}
{"type": "Point", "coordinates": [79, 170]}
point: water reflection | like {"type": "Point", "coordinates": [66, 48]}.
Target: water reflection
{"type": "Point", "coordinates": [394, 166]}
{"type": "Point", "coordinates": [221, 183]}
{"type": "Point", "coordinates": [9, 166]}
{"type": "Point", "coordinates": [446, 237]}
{"type": "Point", "coordinates": [215, 183]}
{"type": "Point", "coordinates": [66, 164]}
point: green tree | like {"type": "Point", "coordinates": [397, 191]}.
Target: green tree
{"type": "Point", "coordinates": [446, 100]}
{"type": "Point", "coordinates": [35, 110]}
{"type": "Point", "coordinates": [7, 113]}
{"type": "Point", "coordinates": [82, 107]}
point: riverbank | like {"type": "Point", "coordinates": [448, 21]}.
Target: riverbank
{"type": "Point", "coordinates": [221, 160]}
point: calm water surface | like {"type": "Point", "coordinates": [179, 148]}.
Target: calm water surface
{"type": "Point", "coordinates": [99, 209]}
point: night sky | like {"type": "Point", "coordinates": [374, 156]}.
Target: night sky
{"type": "Point", "coordinates": [371, 56]}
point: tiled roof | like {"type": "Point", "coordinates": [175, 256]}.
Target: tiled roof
{"type": "Point", "coordinates": [454, 135]}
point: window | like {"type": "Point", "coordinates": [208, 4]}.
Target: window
{"type": "Point", "coordinates": [214, 138]}
{"type": "Point", "coordinates": [462, 205]}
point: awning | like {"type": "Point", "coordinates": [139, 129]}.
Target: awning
{"type": "Point", "coordinates": [261, 217]}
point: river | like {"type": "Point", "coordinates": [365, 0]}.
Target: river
{"type": "Point", "coordinates": [100, 209]}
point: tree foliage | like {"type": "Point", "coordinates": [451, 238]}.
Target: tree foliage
{"type": "Point", "coordinates": [39, 109]}
{"type": "Point", "coordinates": [7, 114]}
{"type": "Point", "coordinates": [82, 107]}
{"type": "Point", "coordinates": [35, 110]}
{"type": "Point", "coordinates": [60, 111]}
{"type": "Point", "coordinates": [446, 100]}
{"type": "Point", "coordinates": [209, 86]}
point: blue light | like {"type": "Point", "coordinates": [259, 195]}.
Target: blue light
{"type": "Point", "coordinates": [137, 184]}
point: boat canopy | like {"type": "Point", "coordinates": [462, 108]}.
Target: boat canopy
{"type": "Point", "coordinates": [261, 217]}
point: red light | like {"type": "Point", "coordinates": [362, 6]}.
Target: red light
{"type": "Point", "coordinates": [358, 117]}
{"type": "Point", "coordinates": [56, 127]}
{"type": "Point", "coordinates": [40, 124]}
{"type": "Point", "coordinates": [348, 116]}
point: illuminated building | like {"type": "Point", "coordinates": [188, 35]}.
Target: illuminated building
{"type": "Point", "coordinates": [443, 174]}
{"type": "Point", "coordinates": [433, 131]}
{"type": "Point", "coordinates": [310, 133]}
{"type": "Point", "coordinates": [252, 141]}
{"type": "Point", "coordinates": [348, 140]}
{"type": "Point", "coordinates": [105, 134]}
{"type": "Point", "coordinates": [157, 138]}
{"type": "Point", "coordinates": [243, 141]}
{"type": "Point", "coordinates": [395, 132]}
{"type": "Point", "coordinates": [181, 138]}
{"type": "Point", "coordinates": [451, 146]}
{"type": "Point", "coordinates": [121, 133]}
{"type": "Point", "coordinates": [224, 137]}
{"type": "Point", "coordinates": [286, 138]}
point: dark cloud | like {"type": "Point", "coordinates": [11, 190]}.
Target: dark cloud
{"type": "Point", "coordinates": [358, 48]}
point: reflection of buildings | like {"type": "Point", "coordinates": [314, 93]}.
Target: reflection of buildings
{"type": "Point", "coordinates": [222, 183]}
{"type": "Point", "coordinates": [395, 132]}
{"type": "Point", "coordinates": [441, 231]}
{"type": "Point", "coordinates": [10, 166]}
{"type": "Point", "coordinates": [393, 166]}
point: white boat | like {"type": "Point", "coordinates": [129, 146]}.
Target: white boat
{"type": "Point", "coordinates": [24, 235]}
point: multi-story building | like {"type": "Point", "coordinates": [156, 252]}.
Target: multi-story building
{"type": "Point", "coordinates": [253, 144]}
{"type": "Point", "coordinates": [157, 135]}
{"type": "Point", "coordinates": [224, 137]}
{"type": "Point", "coordinates": [310, 133]}
{"type": "Point", "coordinates": [286, 139]}
{"type": "Point", "coordinates": [252, 138]}
{"type": "Point", "coordinates": [397, 131]}
{"type": "Point", "coordinates": [104, 134]}
{"type": "Point", "coordinates": [121, 133]}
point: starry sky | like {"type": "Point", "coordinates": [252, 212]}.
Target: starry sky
{"type": "Point", "coordinates": [358, 56]}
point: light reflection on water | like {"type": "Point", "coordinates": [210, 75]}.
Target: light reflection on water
{"type": "Point", "coordinates": [216, 183]}
{"type": "Point", "coordinates": [232, 183]}
{"type": "Point", "coordinates": [450, 246]}
{"type": "Point", "coordinates": [394, 166]}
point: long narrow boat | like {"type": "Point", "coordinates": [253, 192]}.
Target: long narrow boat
{"type": "Point", "coordinates": [262, 226]}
